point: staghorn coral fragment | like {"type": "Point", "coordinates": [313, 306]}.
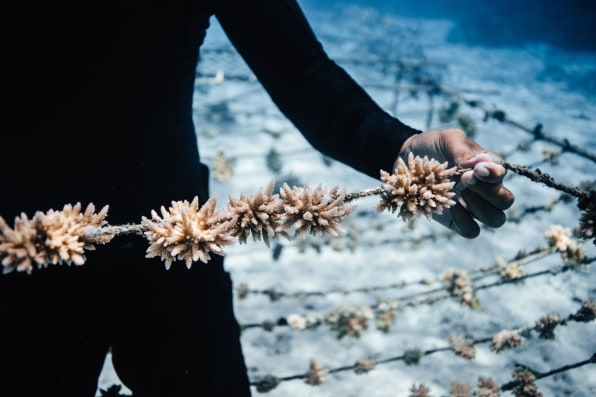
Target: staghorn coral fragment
{"type": "Point", "coordinates": [55, 237]}
{"type": "Point", "coordinates": [308, 211]}
{"type": "Point", "coordinates": [509, 271]}
{"type": "Point", "coordinates": [186, 232]}
{"type": "Point", "coordinates": [242, 291]}
{"type": "Point", "coordinates": [350, 321]}
{"type": "Point", "coordinates": [559, 237]}
{"type": "Point", "coordinates": [316, 373]}
{"type": "Point", "coordinates": [65, 231]}
{"type": "Point", "coordinates": [364, 366]}
{"type": "Point", "coordinates": [223, 166]}
{"type": "Point", "coordinates": [461, 287]}
{"type": "Point", "coordinates": [586, 313]}
{"type": "Point", "coordinates": [506, 339]}
{"type": "Point", "coordinates": [488, 388]}
{"type": "Point", "coordinates": [255, 216]}
{"type": "Point", "coordinates": [22, 248]}
{"type": "Point", "coordinates": [384, 318]}
{"type": "Point", "coordinates": [525, 386]}
{"type": "Point", "coordinates": [462, 348]}
{"type": "Point", "coordinates": [419, 391]}
{"type": "Point", "coordinates": [460, 390]}
{"type": "Point", "coordinates": [421, 186]}
{"type": "Point", "coordinates": [296, 321]}
{"type": "Point", "coordinates": [545, 326]}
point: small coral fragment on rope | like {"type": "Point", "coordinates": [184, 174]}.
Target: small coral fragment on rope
{"type": "Point", "coordinates": [545, 326]}
{"type": "Point", "coordinates": [364, 366]}
{"type": "Point", "coordinates": [422, 186]}
{"type": "Point", "coordinates": [255, 216]}
{"type": "Point", "coordinates": [462, 347]}
{"type": "Point", "coordinates": [350, 321]}
{"type": "Point", "coordinates": [525, 386]}
{"type": "Point", "coordinates": [506, 339]}
{"type": "Point", "coordinates": [54, 237]}
{"type": "Point", "coordinates": [559, 237]}
{"type": "Point", "coordinates": [186, 232]}
{"type": "Point", "coordinates": [487, 387]}
{"type": "Point", "coordinates": [419, 391]}
{"type": "Point", "coordinates": [311, 211]}
{"type": "Point", "coordinates": [460, 390]}
{"type": "Point", "coordinates": [316, 373]}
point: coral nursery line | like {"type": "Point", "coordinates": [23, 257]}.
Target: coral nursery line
{"type": "Point", "coordinates": [559, 240]}
{"type": "Point", "coordinates": [462, 347]}
{"type": "Point", "coordinates": [191, 232]}
{"type": "Point", "coordinates": [459, 286]}
{"type": "Point", "coordinates": [522, 385]}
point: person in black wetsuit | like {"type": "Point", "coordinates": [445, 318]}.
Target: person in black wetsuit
{"type": "Point", "coordinates": [98, 106]}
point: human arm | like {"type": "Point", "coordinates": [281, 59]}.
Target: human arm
{"type": "Point", "coordinates": [341, 120]}
{"type": "Point", "coordinates": [328, 107]}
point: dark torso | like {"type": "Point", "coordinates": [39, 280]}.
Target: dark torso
{"type": "Point", "coordinates": [101, 109]}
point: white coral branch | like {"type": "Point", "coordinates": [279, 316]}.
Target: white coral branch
{"type": "Point", "coordinates": [421, 186]}
{"type": "Point", "coordinates": [255, 216]}
{"type": "Point", "coordinates": [186, 232]}
{"type": "Point", "coordinates": [506, 339]}
{"type": "Point", "coordinates": [559, 237]}
{"type": "Point", "coordinates": [316, 373]}
{"type": "Point", "coordinates": [54, 237]}
{"type": "Point", "coordinates": [22, 246]}
{"type": "Point", "coordinates": [315, 211]}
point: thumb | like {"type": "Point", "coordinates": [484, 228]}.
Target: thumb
{"type": "Point", "coordinates": [474, 158]}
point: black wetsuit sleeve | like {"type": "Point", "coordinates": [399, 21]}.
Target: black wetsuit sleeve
{"type": "Point", "coordinates": [328, 107]}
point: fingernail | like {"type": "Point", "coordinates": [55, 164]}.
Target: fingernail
{"type": "Point", "coordinates": [468, 178]}
{"type": "Point", "coordinates": [481, 170]}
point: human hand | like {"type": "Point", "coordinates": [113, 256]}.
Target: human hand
{"type": "Point", "coordinates": [480, 194]}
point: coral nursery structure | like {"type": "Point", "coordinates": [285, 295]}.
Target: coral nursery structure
{"type": "Point", "coordinates": [345, 289]}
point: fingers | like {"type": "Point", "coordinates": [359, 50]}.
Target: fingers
{"type": "Point", "coordinates": [491, 193]}
{"type": "Point", "coordinates": [458, 219]}
{"type": "Point", "coordinates": [470, 209]}
{"type": "Point", "coordinates": [485, 170]}
{"type": "Point", "coordinates": [480, 209]}
{"type": "Point", "coordinates": [481, 196]}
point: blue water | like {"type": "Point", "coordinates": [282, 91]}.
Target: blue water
{"type": "Point", "coordinates": [566, 24]}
